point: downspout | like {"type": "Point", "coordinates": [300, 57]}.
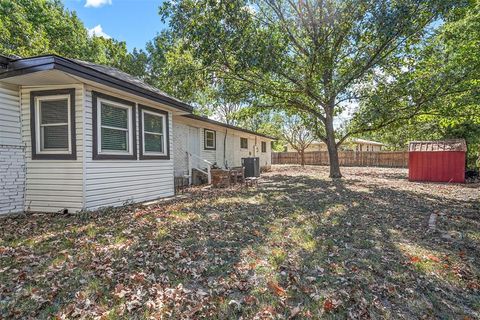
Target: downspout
{"type": "Point", "coordinates": [84, 151]}
{"type": "Point", "coordinates": [225, 148]}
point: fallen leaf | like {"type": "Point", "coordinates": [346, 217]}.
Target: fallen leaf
{"type": "Point", "coordinates": [415, 259]}
{"type": "Point", "coordinates": [279, 291]}
{"type": "Point", "coordinates": [328, 305]}
{"type": "Point", "coordinates": [250, 300]}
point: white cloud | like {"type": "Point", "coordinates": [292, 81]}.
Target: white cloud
{"type": "Point", "coordinates": [97, 31]}
{"type": "Point", "coordinates": [97, 3]}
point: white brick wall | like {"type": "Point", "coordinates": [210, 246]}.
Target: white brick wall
{"type": "Point", "coordinates": [180, 145]}
{"type": "Point", "coordinates": [12, 179]}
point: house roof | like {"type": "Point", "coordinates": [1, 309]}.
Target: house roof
{"type": "Point", "coordinates": [102, 74]}
{"type": "Point", "coordinates": [11, 66]}
{"type": "Point", "coordinates": [218, 123]}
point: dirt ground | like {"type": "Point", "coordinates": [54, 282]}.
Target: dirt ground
{"type": "Point", "coordinates": [298, 246]}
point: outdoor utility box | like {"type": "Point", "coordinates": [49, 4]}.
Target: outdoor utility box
{"type": "Point", "coordinates": [437, 161]}
{"type": "Point", "coordinates": [252, 166]}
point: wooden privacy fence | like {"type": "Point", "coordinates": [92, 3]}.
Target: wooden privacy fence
{"type": "Point", "coordinates": [394, 159]}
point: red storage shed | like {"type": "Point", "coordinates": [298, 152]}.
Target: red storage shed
{"type": "Point", "coordinates": [437, 161]}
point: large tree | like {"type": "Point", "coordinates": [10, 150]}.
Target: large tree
{"type": "Point", "coordinates": [307, 56]}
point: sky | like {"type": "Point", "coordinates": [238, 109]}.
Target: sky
{"type": "Point", "coordinates": [134, 21]}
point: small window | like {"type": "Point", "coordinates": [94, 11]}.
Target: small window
{"type": "Point", "coordinates": [264, 146]}
{"type": "Point", "coordinates": [244, 143]}
{"type": "Point", "coordinates": [53, 124]}
{"type": "Point", "coordinates": [154, 142]}
{"type": "Point", "coordinates": [114, 128]}
{"type": "Point", "coordinates": [210, 141]}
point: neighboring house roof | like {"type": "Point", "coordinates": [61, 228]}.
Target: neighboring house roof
{"type": "Point", "coordinates": [363, 141]}
{"type": "Point", "coordinates": [218, 123]}
{"type": "Point", "coordinates": [355, 140]}
{"type": "Point", "coordinates": [11, 66]}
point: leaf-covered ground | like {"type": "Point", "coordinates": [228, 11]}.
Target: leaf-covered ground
{"type": "Point", "coordinates": [300, 245]}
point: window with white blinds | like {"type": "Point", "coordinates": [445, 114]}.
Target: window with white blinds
{"type": "Point", "coordinates": [114, 128]}
{"type": "Point", "coordinates": [153, 133]}
{"type": "Point", "coordinates": [154, 139]}
{"type": "Point", "coordinates": [53, 134]}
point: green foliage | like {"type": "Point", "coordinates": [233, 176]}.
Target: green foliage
{"type": "Point", "coordinates": [443, 92]}
{"type": "Point", "coordinates": [35, 27]}
{"type": "Point", "coordinates": [306, 56]}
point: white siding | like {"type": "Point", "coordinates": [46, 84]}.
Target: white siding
{"type": "Point", "coordinates": [180, 147]}
{"type": "Point", "coordinates": [114, 182]}
{"type": "Point", "coordinates": [233, 153]}
{"type": "Point", "coordinates": [9, 115]}
{"type": "Point", "coordinates": [53, 185]}
{"type": "Point", "coordinates": [219, 155]}
{"type": "Point", "coordinates": [12, 153]}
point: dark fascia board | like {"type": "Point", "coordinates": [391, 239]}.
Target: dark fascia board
{"type": "Point", "coordinates": [218, 123]}
{"type": "Point", "coordinates": [4, 61]}
{"type": "Point", "coordinates": [53, 62]}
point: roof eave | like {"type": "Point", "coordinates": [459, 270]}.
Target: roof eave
{"type": "Point", "coordinates": [52, 62]}
{"type": "Point", "coordinates": [218, 123]}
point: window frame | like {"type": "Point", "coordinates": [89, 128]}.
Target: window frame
{"type": "Point", "coordinates": [205, 146]}
{"type": "Point", "coordinates": [35, 124]}
{"type": "Point", "coordinates": [166, 135]}
{"type": "Point", "coordinates": [98, 153]}
{"type": "Point", "coordinates": [263, 143]}
{"type": "Point", "coordinates": [241, 139]}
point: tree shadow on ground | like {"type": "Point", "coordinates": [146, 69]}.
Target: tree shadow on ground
{"type": "Point", "coordinates": [381, 256]}
{"type": "Point", "coordinates": [297, 245]}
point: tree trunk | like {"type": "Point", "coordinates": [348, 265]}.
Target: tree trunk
{"type": "Point", "coordinates": [332, 147]}
{"type": "Point", "coordinates": [302, 158]}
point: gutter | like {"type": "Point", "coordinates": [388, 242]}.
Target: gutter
{"type": "Point", "coordinates": [218, 123]}
{"type": "Point", "coordinates": [52, 62]}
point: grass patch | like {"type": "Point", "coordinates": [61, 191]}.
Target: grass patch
{"type": "Point", "coordinates": [357, 247]}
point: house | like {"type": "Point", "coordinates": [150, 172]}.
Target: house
{"type": "Point", "coordinates": [362, 145]}
{"type": "Point", "coordinates": [353, 144]}
{"type": "Point", "coordinates": [78, 136]}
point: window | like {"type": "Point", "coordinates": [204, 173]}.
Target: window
{"type": "Point", "coordinates": [244, 143]}
{"type": "Point", "coordinates": [53, 124]}
{"type": "Point", "coordinates": [154, 143]}
{"type": "Point", "coordinates": [113, 128]}
{"type": "Point", "coordinates": [264, 146]}
{"type": "Point", "coordinates": [209, 139]}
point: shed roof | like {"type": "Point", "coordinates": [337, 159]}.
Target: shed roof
{"type": "Point", "coordinates": [438, 146]}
